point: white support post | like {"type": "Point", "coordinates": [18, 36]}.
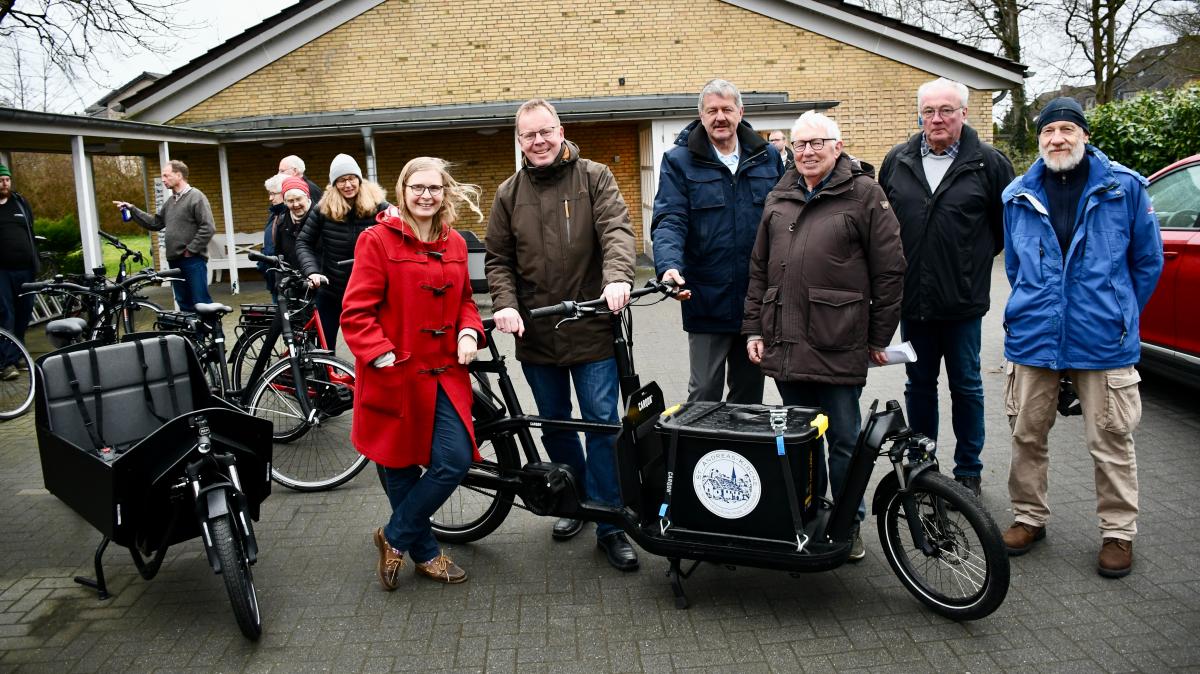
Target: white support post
{"type": "Point", "coordinates": [369, 149]}
{"type": "Point", "coordinates": [164, 157]}
{"type": "Point", "coordinates": [227, 209]}
{"type": "Point", "coordinates": [6, 159]}
{"type": "Point", "coordinates": [85, 200]}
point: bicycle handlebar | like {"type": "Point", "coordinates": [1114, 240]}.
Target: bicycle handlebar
{"type": "Point", "coordinates": [574, 309]}
{"type": "Point", "coordinates": [270, 260]}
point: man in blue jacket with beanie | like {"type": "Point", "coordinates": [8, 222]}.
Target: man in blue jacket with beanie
{"type": "Point", "coordinates": [1083, 254]}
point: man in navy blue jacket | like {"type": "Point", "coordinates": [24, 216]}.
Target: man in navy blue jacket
{"type": "Point", "coordinates": [1083, 254]}
{"type": "Point", "coordinates": [711, 191]}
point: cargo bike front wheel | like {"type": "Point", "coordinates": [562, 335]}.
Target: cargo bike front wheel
{"type": "Point", "coordinates": [962, 571]}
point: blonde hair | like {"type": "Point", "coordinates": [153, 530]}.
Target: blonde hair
{"type": "Point", "coordinates": [456, 193]}
{"type": "Point", "coordinates": [335, 207]}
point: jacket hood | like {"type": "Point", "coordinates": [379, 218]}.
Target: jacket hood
{"type": "Point", "coordinates": [1102, 171]}
{"type": "Point", "coordinates": [567, 154]}
{"type": "Point", "coordinates": [695, 138]}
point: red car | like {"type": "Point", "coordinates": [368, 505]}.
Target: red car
{"type": "Point", "coordinates": [1171, 320]}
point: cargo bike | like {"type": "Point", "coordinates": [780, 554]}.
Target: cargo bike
{"type": "Point", "coordinates": [733, 485]}
{"type": "Point", "coordinates": [132, 439]}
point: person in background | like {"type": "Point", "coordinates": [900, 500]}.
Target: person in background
{"type": "Point", "coordinates": [826, 277]}
{"type": "Point", "coordinates": [293, 166]}
{"type": "Point", "coordinates": [348, 206]}
{"type": "Point", "coordinates": [18, 264]}
{"type": "Point", "coordinates": [287, 229]}
{"type": "Point", "coordinates": [186, 221]}
{"type": "Point", "coordinates": [779, 139]}
{"type": "Point", "coordinates": [275, 212]}
{"type": "Point", "coordinates": [413, 327]}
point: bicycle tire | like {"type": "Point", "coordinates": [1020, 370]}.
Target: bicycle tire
{"type": "Point", "coordinates": [963, 578]}
{"type": "Point", "coordinates": [309, 455]}
{"type": "Point", "coordinates": [235, 570]}
{"type": "Point", "coordinates": [16, 387]}
{"type": "Point", "coordinates": [246, 351]}
{"type": "Point", "coordinates": [471, 512]}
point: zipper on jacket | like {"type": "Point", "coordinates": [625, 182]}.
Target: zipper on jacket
{"type": "Point", "coordinates": [567, 213]}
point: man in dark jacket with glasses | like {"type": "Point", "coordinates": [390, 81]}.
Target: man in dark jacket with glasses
{"type": "Point", "coordinates": [945, 185]}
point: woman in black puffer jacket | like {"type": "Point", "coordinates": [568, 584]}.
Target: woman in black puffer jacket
{"type": "Point", "coordinates": [347, 207]}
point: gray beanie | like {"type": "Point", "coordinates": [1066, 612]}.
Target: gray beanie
{"type": "Point", "coordinates": [343, 165]}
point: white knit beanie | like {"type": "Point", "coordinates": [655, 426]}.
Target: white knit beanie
{"type": "Point", "coordinates": [343, 165]}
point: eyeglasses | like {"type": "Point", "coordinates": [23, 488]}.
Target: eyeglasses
{"type": "Point", "coordinates": [928, 113]}
{"type": "Point", "coordinates": [418, 190]}
{"type": "Point", "coordinates": [529, 136]}
{"type": "Point", "coordinates": [815, 144]}
{"type": "Point", "coordinates": [294, 201]}
{"type": "Point", "coordinates": [346, 180]}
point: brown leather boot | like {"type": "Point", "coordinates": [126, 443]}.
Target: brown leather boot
{"type": "Point", "coordinates": [1020, 537]}
{"type": "Point", "coordinates": [1116, 558]}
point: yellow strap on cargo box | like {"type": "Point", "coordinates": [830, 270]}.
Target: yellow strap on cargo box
{"type": "Point", "coordinates": [821, 423]}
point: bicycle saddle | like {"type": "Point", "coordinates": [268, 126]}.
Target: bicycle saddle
{"type": "Point", "coordinates": [65, 331]}
{"type": "Point", "coordinates": [208, 310]}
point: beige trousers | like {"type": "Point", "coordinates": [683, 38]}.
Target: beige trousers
{"type": "Point", "coordinates": [1112, 409]}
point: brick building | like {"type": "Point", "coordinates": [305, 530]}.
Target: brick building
{"type": "Point", "coordinates": [386, 80]}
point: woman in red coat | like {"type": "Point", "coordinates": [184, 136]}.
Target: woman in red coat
{"type": "Point", "coordinates": [410, 321]}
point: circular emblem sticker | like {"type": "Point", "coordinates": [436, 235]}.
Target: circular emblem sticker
{"type": "Point", "coordinates": [726, 484]}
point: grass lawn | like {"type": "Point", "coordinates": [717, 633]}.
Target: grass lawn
{"type": "Point", "coordinates": [112, 256]}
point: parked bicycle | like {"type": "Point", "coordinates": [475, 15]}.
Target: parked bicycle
{"type": "Point", "coordinates": [938, 539]}
{"type": "Point", "coordinates": [110, 309]}
{"type": "Point", "coordinates": [305, 391]}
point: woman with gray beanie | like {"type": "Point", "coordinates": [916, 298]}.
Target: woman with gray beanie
{"type": "Point", "coordinates": [347, 207]}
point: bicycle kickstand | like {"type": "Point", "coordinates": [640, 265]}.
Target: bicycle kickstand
{"type": "Point", "coordinates": [677, 576]}
{"type": "Point", "coordinates": [97, 583]}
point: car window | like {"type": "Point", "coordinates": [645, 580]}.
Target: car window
{"type": "Point", "coordinates": [1176, 198]}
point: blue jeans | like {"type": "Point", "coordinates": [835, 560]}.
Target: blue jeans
{"type": "Point", "coordinates": [596, 388]}
{"type": "Point", "coordinates": [14, 311]}
{"type": "Point", "coordinates": [958, 342]}
{"type": "Point", "coordinates": [194, 288]}
{"type": "Point", "coordinates": [840, 404]}
{"type": "Point", "coordinates": [415, 497]}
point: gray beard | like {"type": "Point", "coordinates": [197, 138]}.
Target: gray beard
{"type": "Point", "coordinates": [1072, 160]}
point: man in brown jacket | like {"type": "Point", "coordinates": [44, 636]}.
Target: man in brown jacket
{"type": "Point", "coordinates": [559, 230]}
{"type": "Point", "coordinates": [826, 278]}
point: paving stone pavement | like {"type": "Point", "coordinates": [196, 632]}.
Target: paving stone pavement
{"type": "Point", "coordinates": [534, 605]}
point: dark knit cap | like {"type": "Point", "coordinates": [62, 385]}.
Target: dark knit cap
{"type": "Point", "coordinates": [1062, 109]}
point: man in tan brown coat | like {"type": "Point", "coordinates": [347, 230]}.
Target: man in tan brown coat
{"type": "Point", "coordinates": [559, 230]}
{"type": "Point", "coordinates": [826, 279]}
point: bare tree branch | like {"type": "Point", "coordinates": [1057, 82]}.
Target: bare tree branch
{"type": "Point", "coordinates": [72, 32]}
